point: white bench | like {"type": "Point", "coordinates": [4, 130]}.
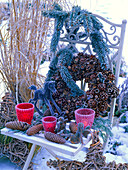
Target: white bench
{"type": "Point", "coordinates": [51, 147]}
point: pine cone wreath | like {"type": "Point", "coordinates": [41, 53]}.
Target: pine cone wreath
{"type": "Point", "coordinates": [34, 129]}
{"type": "Point", "coordinates": [17, 125]}
{"type": "Point", "coordinates": [54, 137]}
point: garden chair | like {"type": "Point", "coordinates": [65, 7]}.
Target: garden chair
{"type": "Point", "coordinates": [114, 36]}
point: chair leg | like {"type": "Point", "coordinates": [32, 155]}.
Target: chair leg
{"type": "Point", "coordinates": [29, 157]}
{"type": "Point", "coordinates": [110, 117]}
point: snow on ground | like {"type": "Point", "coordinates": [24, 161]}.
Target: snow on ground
{"type": "Point", "coordinates": [6, 164]}
{"type": "Point", "coordinates": [121, 138]}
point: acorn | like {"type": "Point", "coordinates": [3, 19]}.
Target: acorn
{"type": "Point", "coordinates": [73, 127]}
{"type": "Point", "coordinates": [17, 125]}
{"type": "Point", "coordinates": [54, 137]}
{"type": "Point", "coordinates": [34, 129]}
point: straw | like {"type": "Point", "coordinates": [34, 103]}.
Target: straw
{"type": "Point", "coordinates": [23, 45]}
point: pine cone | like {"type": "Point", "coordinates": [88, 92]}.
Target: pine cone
{"type": "Point", "coordinates": [54, 137]}
{"type": "Point", "coordinates": [34, 129]}
{"type": "Point", "coordinates": [17, 125]}
{"type": "Point", "coordinates": [73, 127]}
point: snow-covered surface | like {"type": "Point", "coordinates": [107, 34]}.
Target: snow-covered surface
{"type": "Point", "coordinates": [121, 137]}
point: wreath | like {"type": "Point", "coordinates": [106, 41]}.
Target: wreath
{"type": "Point", "coordinates": [101, 87]}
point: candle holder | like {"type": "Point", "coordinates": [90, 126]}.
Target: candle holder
{"type": "Point", "coordinates": [85, 116]}
{"type": "Point", "coordinates": [25, 112]}
{"type": "Point", "coordinates": [49, 123]}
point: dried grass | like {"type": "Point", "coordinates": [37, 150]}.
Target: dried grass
{"type": "Point", "coordinates": [23, 43]}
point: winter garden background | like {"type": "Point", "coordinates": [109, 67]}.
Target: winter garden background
{"type": "Point", "coordinates": [115, 11]}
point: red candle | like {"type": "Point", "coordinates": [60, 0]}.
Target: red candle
{"type": "Point", "coordinates": [25, 112]}
{"type": "Point", "coordinates": [49, 123]}
{"type": "Point", "coordinates": [85, 116]}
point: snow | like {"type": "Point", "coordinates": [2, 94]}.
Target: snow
{"type": "Point", "coordinates": [121, 137]}
{"type": "Point", "coordinates": [5, 164]}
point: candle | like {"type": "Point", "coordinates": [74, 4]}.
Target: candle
{"type": "Point", "coordinates": [49, 123]}
{"type": "Point", "coordinates": [85, 116]}
{"type": "Point", "coordinates": [25, 112]}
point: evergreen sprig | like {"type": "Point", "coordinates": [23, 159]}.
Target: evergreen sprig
{"type": "Point", "coordinates": [100, 47]}
{"type": "Point", "coordinates": [64, 57]}
{"type": "Point", "coordinates": [103, 126]}
{"type": "Point", "coordinates": [70, 82]}
{"type": "Point", "coordinates": [59, 17]}
{"type": "Point", "coordinates": [96, 23]}
{"type": "Point", "coordinates": [52, 68]}
{"type": "Point", "coordinates": [87, 22]}
{"type": "Point", "coordinates": [76, 17]}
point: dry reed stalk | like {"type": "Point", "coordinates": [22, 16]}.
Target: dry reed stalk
{"type": "Point", "coordinates": [23, 45]}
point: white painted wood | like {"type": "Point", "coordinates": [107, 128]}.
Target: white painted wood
{"type": "Point", "coordinates": [118, 63]}
{"type": "Point", "coordinates": [26, 165]}
{"type": "Point", "coordinates": [67, 148]}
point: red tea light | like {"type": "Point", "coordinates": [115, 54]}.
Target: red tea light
{"type": "Point", "coordinates": [49, 123]}
{"type": "Point", "coordinates": [85, 116]}
{"type": "Point", "coordinates": [25, 112]}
